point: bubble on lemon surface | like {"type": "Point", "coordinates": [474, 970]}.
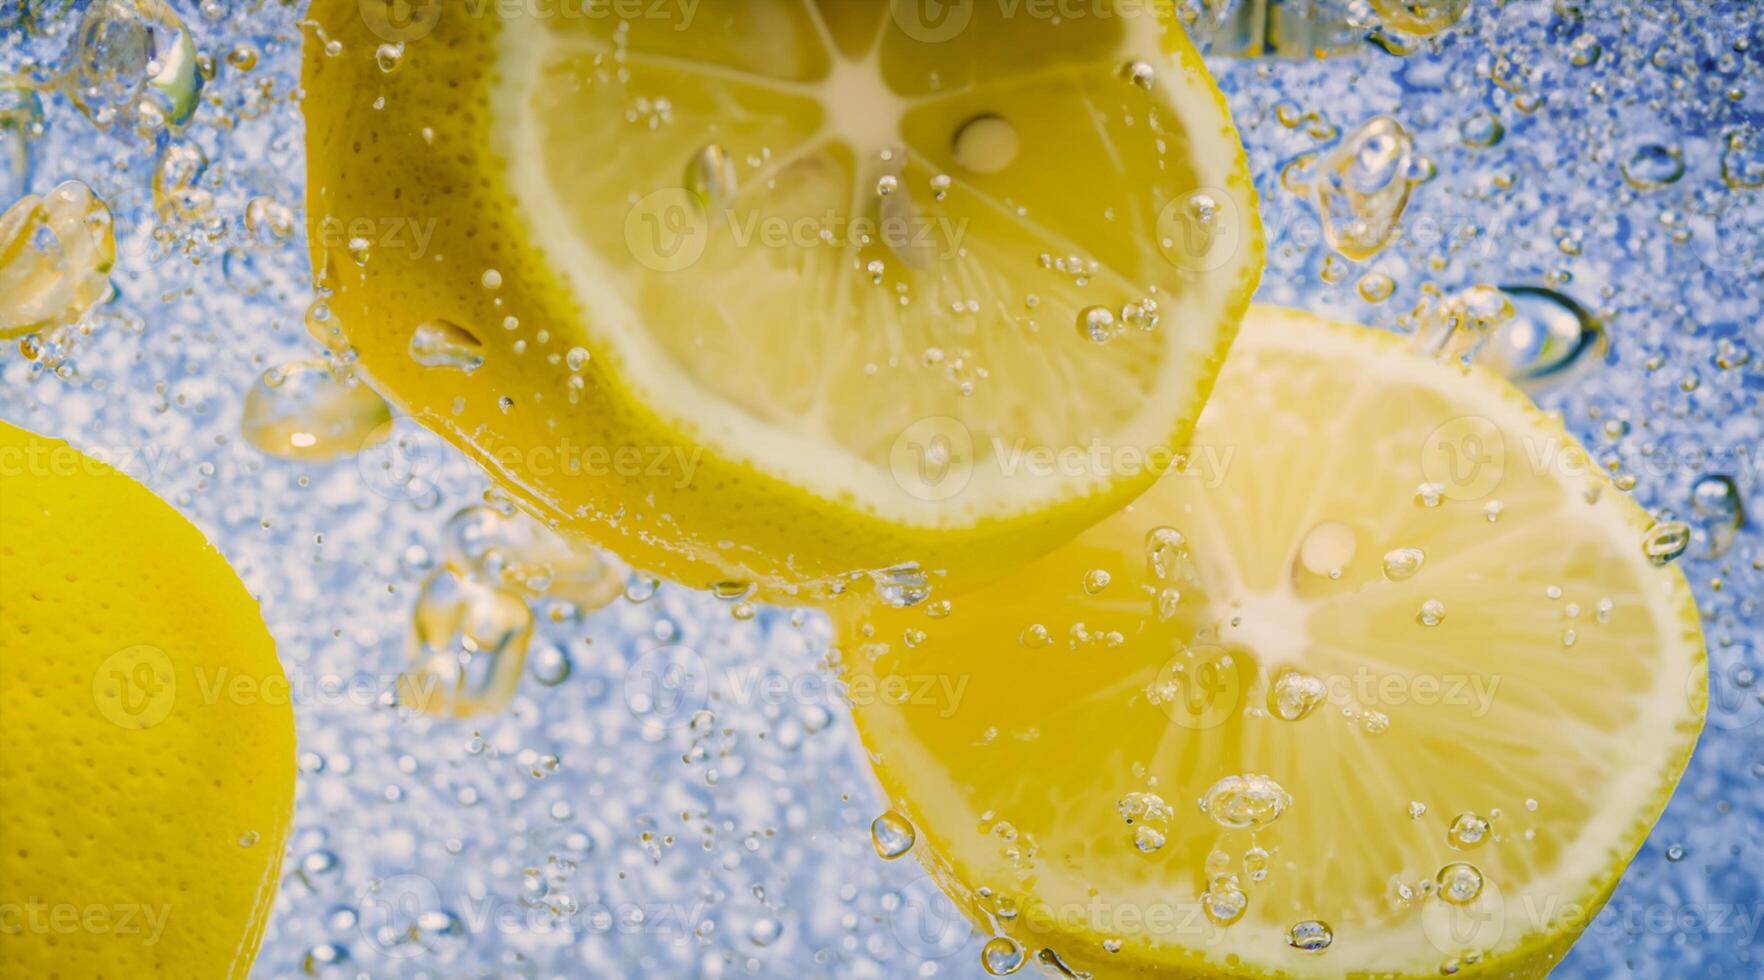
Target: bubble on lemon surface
{"type": "Point", "coordinates": [1742, 159]}
{"type": "Point", "coordinates": [468, 646]}
{"type": "Point", "coordinates": [443, 344]}
{"type": "Point", "coordinates": [1432, 613]}
{"type": "Point", "coordinates": [1149, 816]}
{"type": "Point", "coordinates": [1665, 541]}
{"type": "Point", "coordinates": [711, 178]}
{"type": "Point", "coordinates": [1468, 830]}
{"type": "Point", "coordinates": [1002, 956]}
{"type": "Point", "coordinates": [56, 253]}
{"type": "Point", "coordinates": [1245, 801]}
{"type": "Point", "coordinates": [1224, 902]}
{"type": "Point", "coordinates": [985, 144]}
{"type": "Point", "coordinates": [1310, 936]}
{"type": "Point", "coordinates": [892, 835]}
{"type": "Point", "coordinates": [1459, 883]}
{"type": "Point", "coordinates": [1295, 694]}
{"type": "Point", "coordinates": [1098, 324]}
{"type": "Point", "coordinates": [304, 410]}
{"type": "Point", "coordinates": [901, 586]}
{"type": "Point", "coordinates": [1402, 564]}
{"type": "Point", "coordinates": [1363, 186]}
{"type": "Point", "coordinates": [1327, 549]}
{"type": "Point", "coordinates": [133, 64]}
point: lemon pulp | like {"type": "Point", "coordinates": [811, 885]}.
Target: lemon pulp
{"type": "Point", "coordinates": [1382, 683]}
{"type": "Point", "coordinates": [824, 279]}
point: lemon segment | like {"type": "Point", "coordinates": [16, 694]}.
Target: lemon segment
{"type": "Point", "coordinates": [1381, 683]}
{"type": "Point", "coordinates": [822, 278]}
{"type": "Point", "coordinates": [148, 771]}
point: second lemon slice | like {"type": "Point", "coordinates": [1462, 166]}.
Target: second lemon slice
{"type": "Point", "coordinates": [1387, 682]}
{"type": "Point", "coordinates": [783, 291]}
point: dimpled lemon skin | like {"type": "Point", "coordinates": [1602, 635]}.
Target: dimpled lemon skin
{"type": "Point", "coordinates": [415, 144]}
{"type": "Point", "coordinates": [147, 775]}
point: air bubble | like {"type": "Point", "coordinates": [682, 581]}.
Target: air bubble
{"type": "Point", "coordinates": [1245, 801]}
{"type": "Point", "coordinates": [892, 835]}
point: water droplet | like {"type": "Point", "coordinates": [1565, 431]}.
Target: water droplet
{"type": "Point", "coordinates": [892, 835]}
{"type": "Point", "coordinates": [1481, 130]}
{"type": "Point", "coordinates": [1401, 564]}
{"type": "Point", "coordinates": [1295, 695]}
{"type": "Point", "coordinates": [1547, 336]}
{"type": "Point", "coordinates": [468, 645]}
{"type": "Point", "coordinates": [1245, 801]}
{"type": "Point", "coordinates": [1376, 287]}
{"type": "Point", "coordinates": [1363, 185]}
{"type": "Point", "coordinates": [1097, 323]}
{"type": "Point", "coordinates": [133, 63]}
{"type": "Point", "coordinates": [1002, 956]}
{"type": "Point", "coordinates": [1375, 722]}
{"type": "Point", "coordinates": [765, 931]}
{"type": "Point", "coordinates": [1417, 809]}
{"type": "Point", "coordinates": [1035, 636]}
{"type": "Point", "coordinates": [248, 838]}
{"type": "Point", "coordinates": [551, 666]}
{"type": "Point", "coordinates": [512, 550]}
{"type": "Point", "coordinates": [1584, 50]}
{"type": "Point", "coordinates": [303, 410]}
{"type": "Point", "coordinates": [1166, 554]}
{"type": "Point", "coordinates": [887, 184]}
{"type": "Point", "coordinates": [56, 252]}
{"type": "Point", "coordinates": [1432, 613]}
{"type": "Point", "coordinates": [491, 279]}
{"type": "Point", "coordinates": [444, 344]}
{"type": "Point", "coordinates": [1653, 166]}
{"type": "Point", "coordinates": [1095, 580]}
{"type": "Point", "coordinates": [1742, 159]}
{"type": "Point", "coordinates": [1665, 541]}
{"type": "Point", "coordinates": [1459, 883]}
{"type": "Point", "coordinates": [1675, 853]}
{"type": "Point", "coordinates": [1224, 902]}
{"type": "Point", "coordinates": [1715, 500]}
{"type": "Point", "coordinates": [1310, 936]}
{"type": "Point", "coordinates": [985, 144]}
{"type": "Point", "coordinates": [1467, 831]}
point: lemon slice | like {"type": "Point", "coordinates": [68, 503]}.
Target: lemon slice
{"type": "Point", "coordinates": [1386, 681]}
{"type": "Point", "coordinates": [782, 291]}
{"type": "Point", "coordinates": [148, 770]}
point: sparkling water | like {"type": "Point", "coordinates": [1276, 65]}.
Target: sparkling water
{"type": "Point", "coordinates": [672, 785]}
